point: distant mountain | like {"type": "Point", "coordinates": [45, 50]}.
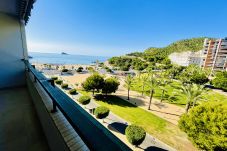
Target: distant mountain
{"type": "Point", "coordinates": [157, 55]}
{"type": "Point", "coordinates": [64, 53]}
{"type": "Point", "coordinates": [193, 44]}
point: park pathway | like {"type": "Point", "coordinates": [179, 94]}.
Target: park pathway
{"type": "Point", "coordinates": [117, 126]}
{"type": "Point", "coordinates": [166, 111]}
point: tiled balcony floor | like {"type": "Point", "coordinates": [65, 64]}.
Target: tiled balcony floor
{"type": "Point", "coordinates": [20, 128]}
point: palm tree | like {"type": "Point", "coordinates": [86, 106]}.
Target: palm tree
{"type": "Point", "coordinates": [143, 79]}
{"type": "Point", "coordinates": [193, 93]}
{"type": "Point", "coordinates": [128, 83]}
{"type": "Point", "coordinates": [152, 83]}
{"type": "Point", "coordinates": [162, 85]}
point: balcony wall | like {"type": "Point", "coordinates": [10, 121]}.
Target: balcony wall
{"type": "Point", "coordinates": [12, 50]}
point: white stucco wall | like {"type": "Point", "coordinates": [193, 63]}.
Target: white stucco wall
{"type": "Point", "coordinates": [180, 58]}
{"type": "Point", "coordinates": [12, 50]}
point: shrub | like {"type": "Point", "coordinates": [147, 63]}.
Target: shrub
{"type": "Point", "coordinates": [59, 82]}
{"type": "Point", "coordinates": [220, 80]}
{"type": "Point", "coordinates": [90, 69]}
{"type": "Point", "coordinates": [64, 70]}
{"type": "Point", "coordinates": [80, 69]}
{"type": "Point", "coordinates": [109, 70]}
{"type": "Point", "coordinates": [135, 134]}
{"type": "Point", "coordinates": [199, 79]}
{"type": "Point", "coordinates": [101, 112]}
{"type": "Point", "coordinates": [64, 86]}
{"type": "Point", "coordinates": [72, 91]}
{"type": "Point", "coordinates": [220, 83]}
{"type": "Point", "coordinates": [206, 125]}
{"type": "Point", "coordinates": [84, 100]}
{"type": "Point", "coordinates": [54, 78]}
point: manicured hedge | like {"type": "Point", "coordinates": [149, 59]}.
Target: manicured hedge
{"type": "Point", "coordinates": [101, 112]}
{"type": "Point", "coordinates": [72, 91]}
{"type": "Point", "coordinates": [59, 82]}
{"type": "Point", "coordinates": [84, 100]}
{"type": "Point", "coordinates": [54, 78]}
{"type": "Point", "coordinates": [64, 85]}
{"type": "Point", "coordinates": [64, 70]}
{"type": "Point", "coordinates": [80, 69]}
{"type": "Point", "coordinates": [135, 134]}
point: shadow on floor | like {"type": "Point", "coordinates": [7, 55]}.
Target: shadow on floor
{"type": "Point", "coordinates": [153, 148]}
{"type": "Point", "coordinates": [118, 127]}
{"type": "Point", "coordinates": [113, 100]}
{"type": "Point", "coordinates": [134, 101]}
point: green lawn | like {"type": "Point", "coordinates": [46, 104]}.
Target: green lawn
{"type": "Point", "coordinates": [172, 94]}
{"type": "Point", "coordinates": [156, 126]}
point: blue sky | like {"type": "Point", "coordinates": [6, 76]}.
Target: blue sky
{"type": "Point", "coordinates": [116, 27]}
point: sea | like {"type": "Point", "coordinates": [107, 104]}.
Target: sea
{"type": "Point", "coordinates": [55, 58]}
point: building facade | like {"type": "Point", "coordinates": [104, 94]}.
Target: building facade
{"type": "Point", "coordinates": [214, 54]}
{"type": "Point", "coordinates": [186, 58]}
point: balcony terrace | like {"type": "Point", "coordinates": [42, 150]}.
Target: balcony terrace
{"type": "Point", "coordinates": [35, 115]}
{"type": "Point", "coordinates": [20, 126]}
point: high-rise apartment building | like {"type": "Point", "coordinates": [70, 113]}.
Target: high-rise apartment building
{"type": "Point", "coordinates": [214, 54]}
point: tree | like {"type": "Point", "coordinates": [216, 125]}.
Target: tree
{"type": "Point", "coordinates": [128, 83]}
{"type": "Point", "coordinates": [110, 85]}
{"type": "Point", "coordinates": [162, 85]}
{"type": "Point", "coordinates": [193, 93]}
{"type": "Point", "coordinates": [143, 80]}
{"type": "Point", "coordinates": [194, 74]}
{"type": "Point", "coordinates": [94, 82]}
{"type": "Point", "coordinates": [175, 71]}
{"type": "Point", "coordinates": [205, 125]}
{"type": "Point", "coordinates": [152, 84]}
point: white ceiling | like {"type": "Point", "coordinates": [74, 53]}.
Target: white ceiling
{"type": "Point", "coordinates": [9, 7]}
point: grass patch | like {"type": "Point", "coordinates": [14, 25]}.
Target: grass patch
{"type": "Point", "coordinates": [171, 94]}
{"type": "Point", "coordinates": [154, 125]}
{"type": "Point", "coordinates": [134, 114]}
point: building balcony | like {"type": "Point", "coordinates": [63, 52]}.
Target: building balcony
{"type": "Point", "coordinates": [39, 116]}
{"type": "Point", "coordinates": [20, 125]}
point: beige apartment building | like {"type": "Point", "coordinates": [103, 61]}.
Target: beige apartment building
{"type": "Point", "coordinates": [214, 54]}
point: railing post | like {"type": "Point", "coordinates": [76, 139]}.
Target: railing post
{"type": "Point", "coordinates": [53, 102]}
{"type": "Point", "coordinates": [54, 107]}
{"type": "Point", "coordinates": [33, 66]}
{"type": "Point", "coordinates": [51, 82]}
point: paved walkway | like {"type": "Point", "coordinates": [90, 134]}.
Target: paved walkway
{"type": "Point", "coordinates": [166, 111]}
{"type": "Point", "coordinates": [220, 91]}
{"type": "Point", "coordinates": [117, 125]}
